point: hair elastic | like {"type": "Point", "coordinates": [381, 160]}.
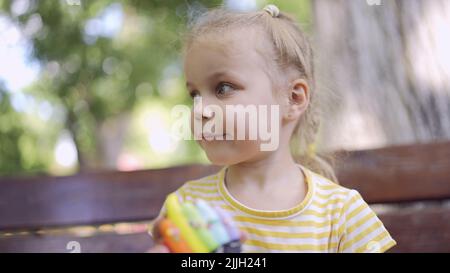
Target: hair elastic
{"type": "Point", "coordinates": [273, 10]}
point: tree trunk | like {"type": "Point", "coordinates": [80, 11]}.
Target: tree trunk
{"type": "Point", "coordinates": [110, 137]}
{"type": "Point", "coordinates": [389, 67]}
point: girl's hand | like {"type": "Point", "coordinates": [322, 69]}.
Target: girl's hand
{"type": "Point", "coordinates": [158, 246]}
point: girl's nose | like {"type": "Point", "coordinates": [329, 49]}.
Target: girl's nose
{"type": "Point", "coordinates": [202, 111]}
{"type": "Point", "coordinates": [202, 114]}
{"type": "Point", "coordinates": [208, 113]}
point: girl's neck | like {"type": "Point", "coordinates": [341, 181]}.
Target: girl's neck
{"type": "Point", "coordinates": [271, 172]}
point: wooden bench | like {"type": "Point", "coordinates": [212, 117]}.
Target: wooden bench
{"type": "Point", "coordinates": [110, 210]}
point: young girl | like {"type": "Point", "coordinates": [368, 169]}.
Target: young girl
{"type": "Point", "coordinates": [281, 202]}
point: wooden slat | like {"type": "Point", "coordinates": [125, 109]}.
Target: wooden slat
{"type": "Point", "coordinates": [104, 243]}
{"type": "Point", "coordinates": [90, 198]}
{"type": "Point", "coordinates": [426, 230]}
{"type": "Point", "coordinates": [395, 174]}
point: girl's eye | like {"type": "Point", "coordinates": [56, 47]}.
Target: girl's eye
{"type": "Point", "coordinates": [224, 88]}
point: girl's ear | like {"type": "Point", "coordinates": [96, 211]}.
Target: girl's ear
{"type": "Point", "coordinates": [298, 99]}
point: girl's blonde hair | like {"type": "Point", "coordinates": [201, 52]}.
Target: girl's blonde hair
{"type": "Point", "coordinates": [291, 49]}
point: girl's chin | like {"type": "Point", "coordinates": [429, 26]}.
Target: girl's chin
{"type": "Point", "coordinates": [221, 152]}
{"type": "Point", "coordinates": [221, 161]}
{"type": "Point", "coordinates": [218, 156]}
{"type": "Point", "coordinates": [217, 160]}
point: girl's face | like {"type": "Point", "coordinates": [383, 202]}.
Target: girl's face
{"type": "Point", "coordinates": [229, 70]}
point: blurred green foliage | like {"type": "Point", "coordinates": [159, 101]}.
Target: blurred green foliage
{"type": "Point", "coordinates": [90, 77]}
{"type": "Point", "coordinates": [22, 147]}
{"type": "Point", "coordinates": [95, 77]}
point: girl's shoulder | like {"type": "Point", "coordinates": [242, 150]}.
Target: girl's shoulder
{"type": "Point", "coordinates": [360, 229]}
{"type": "Point", "coordinates": [326, 185]}
{"type": "Point", "coordinates": [330, 191]}
{"type": "Point", "coordinates": [206, 181]}
{"type": "Point", "coordinates": [204, 188]}
{"type": "Point", "coordinates": [201, 188]}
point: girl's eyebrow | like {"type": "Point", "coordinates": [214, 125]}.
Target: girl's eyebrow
{"type": "Point", "coordinates": [217, 74]}
{"type": "Point", "coordinates": [212, 76]}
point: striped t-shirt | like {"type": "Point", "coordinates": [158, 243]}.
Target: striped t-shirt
{"type": "Point", "coordinates": [331, 218]}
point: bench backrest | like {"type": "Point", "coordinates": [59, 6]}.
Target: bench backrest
{"type": "Point", "coordinates": [35, 211]}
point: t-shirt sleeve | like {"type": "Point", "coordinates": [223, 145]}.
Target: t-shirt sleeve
{"type": "Point", "coordinates": [162, 211]}
{"type": "Point", "coordinates": [361, 230]}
